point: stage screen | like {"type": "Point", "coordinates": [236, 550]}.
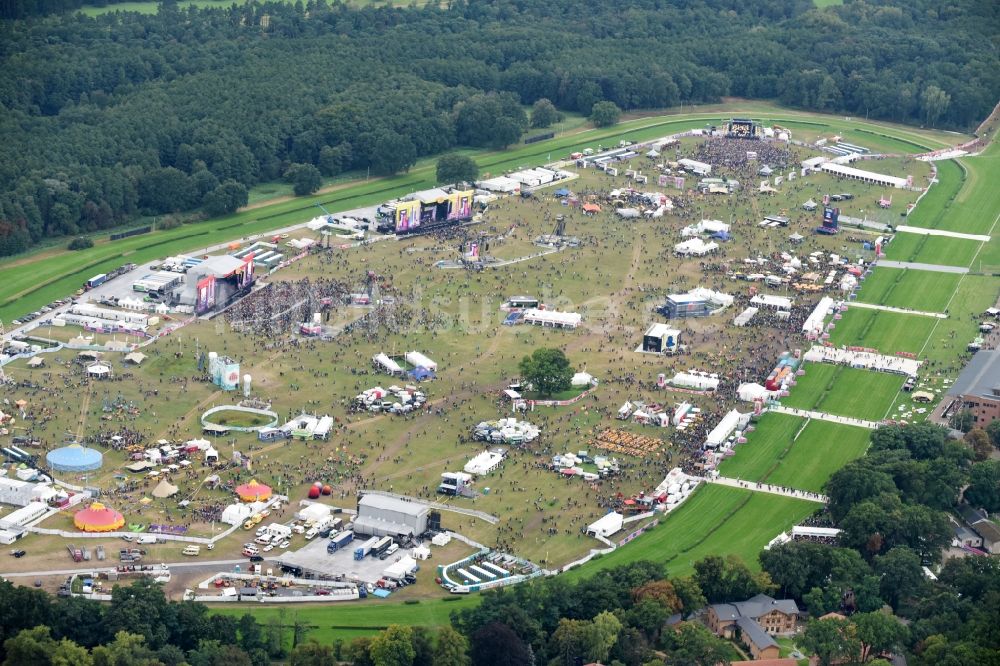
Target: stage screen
{"type": "Point", "coordinates": [407, 215]}
{"type": "Point", "coordinates": [245, 273]}
{"type": "Point", "coordinates": [205, 294]}
{"type": "Point", "coordinates": [460, 205]}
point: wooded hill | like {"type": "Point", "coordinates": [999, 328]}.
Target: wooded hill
{"type": "Point", "coordinates": [125, 114]}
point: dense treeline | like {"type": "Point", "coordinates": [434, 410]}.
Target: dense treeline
{"type": "Point", "coordinates": [110, 117]}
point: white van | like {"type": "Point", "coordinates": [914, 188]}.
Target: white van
{"type": "Point", "coordinates": [264, 538]}
{"type": "Point", "coordinates": [146, 539]}
{"type": "Point", "coordinates": [312, 532]}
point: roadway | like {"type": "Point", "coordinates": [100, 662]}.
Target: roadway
{"type": "Point", "coordinates": [211, 566]}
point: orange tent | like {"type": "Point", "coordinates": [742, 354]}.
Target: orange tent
{"type": "Point", "coordinates": [98, 518]}
{"type": "Point", "coordinates": [591, 208]}
{"type": "Point", "coordinates": [253, 491]}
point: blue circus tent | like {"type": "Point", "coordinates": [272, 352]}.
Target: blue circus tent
{"type": "Point", "coordinates": [721, 235]}
{"type": "Point", "coordinates": [561, 192]}
{"type": "Point", "coordinates": [74, 458]}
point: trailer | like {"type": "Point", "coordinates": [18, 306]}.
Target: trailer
{"type": "Point", "coordinates": [339, 540]}
{"type": "Point", "coordinates": [361, 551]}
{"type": "Point", "coordinates": [381, 546]}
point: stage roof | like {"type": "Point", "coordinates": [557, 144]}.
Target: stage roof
{"type": "Point", "coordinates": [221, 266]}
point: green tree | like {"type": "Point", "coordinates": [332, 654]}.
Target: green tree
{"type": "Point", "coordinates": [993, 430]}
{"type": "Point", "coordinates": [304, 178]}
{"type": "Point", "coordinates": [455, 168]}
{"type": "Point", "coordinates": [226, 198]}
{"type": "Point", "coordinates": [392, 153]}
{"type": "Point", "coordinates": [36, 647]}
{"type": "Point", "coordinates": [544, 114]}
{"type": "Point", "coordinates": [312, 653]}
{"type": "Point", "coordinates": [81, 243]}
{"type": "Point", "coordinates": [125, 650]}
{"type": "Point", "coordinates": [393, 647]}
{"type": "Point", "coordinates": [605, 114]}
{"type": "Point", "coordinates": [933, 102]}
{"type": "Point", "coordinates": [547, 370]}
{"type": "Point", "coordinates": [495, 644]}
{"type": "Point", "coordinates": [984, 486]}
{"type": "Point", "coordinates": [729, 579]}
{"type": "Point", "coordinates": [901, 574]}
{"type": "Point", "coordinates": [690, 595]}
{"type": "Point", "coordinates": [692, 644]}
{"type": "Point", "coordinates": [962, 420]}
{"type": "Point", "coordinates": [830, 639]}
{"type": "Point", "coordinates": [451, 648]}
{"type": "Point", "coordinates": [979, 442]}
{"type": "Point", "coordinates": [878, 633]}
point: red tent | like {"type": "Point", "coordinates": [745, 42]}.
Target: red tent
{"type": "Point", "coordinates": [253, 491]}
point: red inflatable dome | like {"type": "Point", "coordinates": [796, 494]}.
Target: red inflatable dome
{"type": "Point", "coordinates": [327, 490]}
{"type": "Point", "coordinates": [313, 492]}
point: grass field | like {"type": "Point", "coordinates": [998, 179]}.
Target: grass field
{"type": "Point", "coordinates": [770, 440]}
{"type": "Point", "coordinates": [889, 332]}
{"type": "Point", "coordinates": [349, 620]}
{"type": "Point", "coordinates": [844, 391]}
{"type": "Point", "coordinates": [714, 521]}
{"type": "Point", "coordinates": [790, 451]}
{"type": "Point", "coordinates": [932, 249]}
{"type": "Point", "coordinates": [928, 291]}
{"type": "Point", "coordinates": [820, 450]}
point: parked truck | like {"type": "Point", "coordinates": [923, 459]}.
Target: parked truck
{"type": "Point", "coordinates": [361, 551]}
{"type": "Point", "coordinates": [381, 546]}
{"type": "Point", "coordinates": [339, 540]}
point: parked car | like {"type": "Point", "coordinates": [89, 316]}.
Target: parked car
{"type": "Point", "coordinates": [18, 553]}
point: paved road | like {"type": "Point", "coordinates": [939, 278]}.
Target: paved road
{"type": "Point", "coordinates": [889, 308]}
{"type": "Point", "coordinates": [211, 565]}
{"type": "Point", "coordinates": [941, 232]}
{"type": "Point", "coordinates": [917, 266]}
{"type": "Point", "coordinates": [823, 416]}
{"type": "Point", "coordinates": [770, 489]}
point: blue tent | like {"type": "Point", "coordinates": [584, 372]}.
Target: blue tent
{"type": "Point", "coordinates": [421, 373]}
{"type": "Point", "coordinates": [561, 192]}
{"type": "Point", "coordinates": [74, 458]}
{"type": "Point", "coordinates": [721, 235]}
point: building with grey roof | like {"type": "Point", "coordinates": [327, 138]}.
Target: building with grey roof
{"type": "Point", "coordinates": [755, 621]}
{"type": "Point", "coordinates": [384, 515]}
{"type": "Point", "coordinates": [978, 388]}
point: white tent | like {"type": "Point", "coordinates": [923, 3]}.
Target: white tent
{"type": "Point", "coordinates": [313, 512]}
{"type": "Point", "coordinates": [552, 318]}
{"type": "Point", "coordinates": [236, 514]}
{"type": "Point", "coordinates": [419, 360]}
{"type": "Point", "coordinates": [387, 364]}
{"type": "Point", "coordinates": [421, 552]}
{"type": "Point", "coordinates": [582, 379]}
{"type": "Point", "coordinates": [606, 525]}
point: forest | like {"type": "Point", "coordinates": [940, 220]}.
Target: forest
{"type": "Point", "coordinates": [110, 118]}
{"type": "Point", "coordinates": [891, 505]}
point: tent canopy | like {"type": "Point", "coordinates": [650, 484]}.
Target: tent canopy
{"type": "Point", "coordinates": [98, 518]}
{"type": "Point", "coordinates": [253, 491]}
{"type": "Point", "coordinates": [164, 489]}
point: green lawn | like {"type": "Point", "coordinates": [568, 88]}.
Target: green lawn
{"type": "Point", "coordinates": [933, 209]}
{"type": "Point", "coordinates": [844, 391]}
{"type": "Point", "coordinates": [352, 619]}
{"type": "Point", "coordinates": [716, 520]}
{"type": "Point", "coordinates": [789, 451]}
{"type": "Point", "coordinates": [820, 450]}
{"type": "Point", "coordinates": [771, 438]}
{"type": "Point", "coordinates": [932, 249]}
{"type": "Point", "coordinates": [928, 291]}
{"type": "Point", "coordinates": [889, 332]}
